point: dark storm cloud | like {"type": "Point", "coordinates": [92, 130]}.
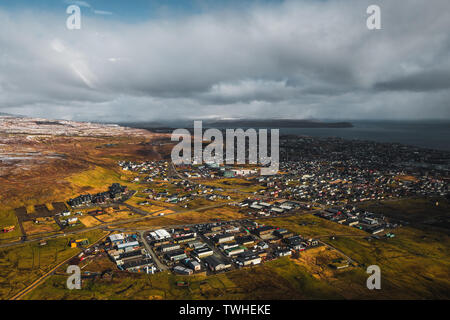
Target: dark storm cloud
{"type": "Point", "coordinates": [421, 81]}
{"type": "Point", "coordinates": [292, 59]}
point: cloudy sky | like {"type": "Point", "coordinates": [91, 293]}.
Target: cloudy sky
{"type": "Point", "coordinates": [166, 59]}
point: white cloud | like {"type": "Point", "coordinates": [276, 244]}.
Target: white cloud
{"type": "Point", "coordinates": [102, 12]}
{"type": "Point", "coordinates": [295, 59]}
{"type": "Point", "coordinates": [78, 3]}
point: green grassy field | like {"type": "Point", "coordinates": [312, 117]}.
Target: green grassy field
{"type": "Point", "coordinates": [9, 218]}
{"type": "Point", "coordinates": [420, 212]}
{"type": "Point", "coordinates": [277, 279]}
{"type": "Point", "coordinates": [96, 179]}
{"type": "Point", "coordinates": [308, 225]}
{"type": "Point", "coordinates": [21, 265]}
{"type": "Point", "coordinates": [284, 279]}
{"type": "Point", "coordinates": [414, 264]}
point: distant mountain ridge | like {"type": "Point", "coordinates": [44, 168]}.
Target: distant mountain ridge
{"type": "Point", "coordinates": [4, 114]}
{"type": "Point", "coordinates": [12, 124]}
{"type": "Point", "coordinates": [277, 123]}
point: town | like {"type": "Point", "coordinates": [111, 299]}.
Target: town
{"type": "Point", "coordinates": [206, 248]}
{"type": "Point", "coordinates": [312, 181]}
{"type": "Point", "coordinates": [235, 209]}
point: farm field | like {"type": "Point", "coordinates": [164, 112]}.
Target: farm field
{"type": "Point", "coordinates": [89, 221]}
{"type": "Point", "coordinates": [43, 227]}
{"type": "Point", "coordinates": [115, 216]}
{"type": "Point", "coordinates": [21, 265]}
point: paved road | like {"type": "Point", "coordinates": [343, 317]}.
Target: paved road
{"type": "Point", "coordinates": [193, 224]}
{"type": "Point", "coordinates": [152, 253]}
{"type": "Point", "coordinates": [104, 226]}
{"type": "Point", "coordinates": [22, 229]}
{"type": "Point", "coordinates": [179, 175]}
{"type": "Point", "coordinates": [143, 218]}
{"type": "Point", "coordinates": [216, 251]}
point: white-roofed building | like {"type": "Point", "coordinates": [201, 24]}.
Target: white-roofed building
{"type": "Point", "coordinates": [117, 238]}
{"type": "Point", "coordinates": [127, 245]}
{"type": "Point", "coordinates": [160, 234]}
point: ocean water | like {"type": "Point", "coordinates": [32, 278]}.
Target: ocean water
{"type": "Point", "coordinates": [425, 134]}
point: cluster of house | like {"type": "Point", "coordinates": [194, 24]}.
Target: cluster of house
{"type": "Point", "coordinates": [151, 169]}
{"type": "Point", "coordinates": [65, 218]}
{"type": "Point", "coordinates": [174, 249]}
{"type": "Point", "coordinates": [327, 171]}
{"type": "Point", "coordinates": [212, 170]}
{"type": "Point", "coordinates": [188, 192]}
{"type": "Point", "coordinates": [320, 182]}
{"type": "Point", "coordinates": [351, 216]}
{"type": "Point", "coordinates": [114, 192]}
{"type": "Point", "coordinates": [69, 221]}
{"type": "Point", "coordinates": [261, 208]}
{"type": "Point", "coordinates": [129, 254]}
{"type": "Point", "coordinates": [332, 170]}
{"type": "Point", "coordinates": [247, 243]}
{"type": "Point", "coordinates": [316, 182]}
{"type": "Point", "coordinates": [219, 246]}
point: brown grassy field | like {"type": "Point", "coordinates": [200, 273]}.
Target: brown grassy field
{"type": "Point", "coordinates": [89, 221]}
{"type": "Point", "coordinates": [43, 227]}
{"type": "Point", "coordinates": [152, 207]}
{"type": "Point", "coordinates": [116, 216]}
{"type": "Point", "coordinates": [80, 167]}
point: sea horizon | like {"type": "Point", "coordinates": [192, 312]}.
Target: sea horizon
{"type": "Point", "coordinates": [430, 134]}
